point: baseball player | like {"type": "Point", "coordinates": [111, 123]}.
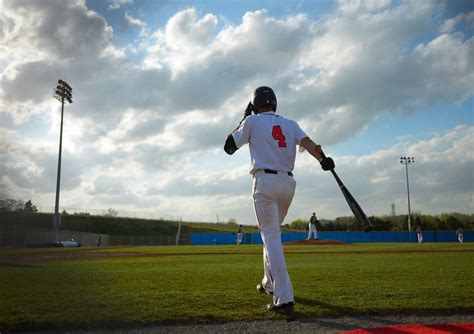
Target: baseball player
{"type": "Point", "coordinates": [312, 227]}
{"type": "Point", "coordinates": [419, 235]}
{"type": "Point", "coordinates": [240, 235]}
{"type": "Point", "coordinates": [460, 235]}
{"type": "Point", "coordinates": [272, 143]}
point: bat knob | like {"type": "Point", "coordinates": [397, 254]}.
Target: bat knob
{"type": "Point", "coordinates": [368, 228]}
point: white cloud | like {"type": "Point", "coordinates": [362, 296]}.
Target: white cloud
{"type": "Point", "coordinates": [106, 185]}
{"type": "Point", "coordinates": [350, 7]}
{"type": "Point", "coordinates": [153, 130]}
{"type": "Point", "coordinates": [441, 179]}
{"type": "Point", "coordinates": [54, 30]}
{"type": "Point", "coordinates": [447, 69]}
{"type": "Point", "coordinates": [116, 4]}
{"type": "Point", "coordinates": [184, 40]}
{"type": "Point", "coordinates": [450, 24]}
{"type": "Point", "coordinates": [362, 65]}
{"type": "Point", "coordinates": [134, 21]}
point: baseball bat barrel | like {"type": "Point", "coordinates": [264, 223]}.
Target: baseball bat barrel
{"type": "Point", "coordinates": [355, 207]}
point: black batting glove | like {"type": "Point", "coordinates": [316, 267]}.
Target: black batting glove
{"type": "Point", "coordinates": [248, 110]}
{"type": "Point", "coordinates": [327, 163]}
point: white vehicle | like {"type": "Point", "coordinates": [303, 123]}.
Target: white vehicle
{"type": "Point", "coordinates": [68, 243]}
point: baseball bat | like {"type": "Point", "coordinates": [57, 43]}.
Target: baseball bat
{"type": "Point", "coordinates": [355, 207]}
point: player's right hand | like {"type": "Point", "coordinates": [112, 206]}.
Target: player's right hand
{"type": "Point", "coordinates": [248, 110]}
{"type": "Point", "coordinates": [327, 163]}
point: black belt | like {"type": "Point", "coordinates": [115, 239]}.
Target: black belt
{"type": "Point", "coordinates": [271, 171]}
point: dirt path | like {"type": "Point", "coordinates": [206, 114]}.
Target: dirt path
{"type": "Point", "coordinates": [319, 325]}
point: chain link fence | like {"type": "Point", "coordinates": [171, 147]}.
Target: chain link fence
{"type": "Point", "coordinates": [19, 236]}
{"type": "Point", "coordinates": [25, 229]}
{"type": "Point", "coordinates": [38, 237]}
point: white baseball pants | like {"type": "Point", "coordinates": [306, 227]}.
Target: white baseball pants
{"type": "Point", "coordinates": [272, 195]}
{"type": "Point", "coordinates": [420, 237]}
{"type": "Point", "coordinates": [239, 238]}
{"type": "Point", "coordinates": [313, 231]}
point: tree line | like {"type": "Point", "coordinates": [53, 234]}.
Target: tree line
{"type": "Point", "coordinates": [441, 222]}
{"type": "Point", "coordinates": [17, 205]}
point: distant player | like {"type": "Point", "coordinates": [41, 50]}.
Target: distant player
{"type": "Point", "coordinates": [419, 235]}
{"type": "Point", "coordinates": [240, 235]}
{"type": "Point", "coordinates": [460, 235]}
{"type": "Point", "coordinates": [312, 229]}
{"type": "Point", "coordinates": [272, 143]}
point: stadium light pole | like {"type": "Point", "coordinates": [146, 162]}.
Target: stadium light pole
{"type": "Point", "coordinates": [63, 93]}
{"type": "Point", "coordinates": [406, 161]}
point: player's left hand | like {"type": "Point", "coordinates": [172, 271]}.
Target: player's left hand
{"type": "Point", "coordinates": [248, 110]}
{"type": "Point", "coordinates": [327, 163]}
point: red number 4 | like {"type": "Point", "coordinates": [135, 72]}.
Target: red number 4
{"type": "Point", "coordinates": [279, 136]}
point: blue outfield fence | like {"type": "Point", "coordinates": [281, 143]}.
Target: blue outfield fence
{"type": "Point", "coordinates": [255, 238]}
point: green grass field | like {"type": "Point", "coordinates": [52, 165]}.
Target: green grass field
{"type": "Point", "coordinates": [44, 288]}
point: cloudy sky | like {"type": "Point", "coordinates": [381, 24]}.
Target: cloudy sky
{"type": "Point", "coordinates": [158, 85]}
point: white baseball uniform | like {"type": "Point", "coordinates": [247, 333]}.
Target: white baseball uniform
{"type": "Point", "coordinates": [272, 142]}
{"type": "Point", "coordinates": [460, 234]}
{"type": "Point", "coordinates": [419, 235]}
{"type": "Point", "coordinates": [312, 228]}
{"type": "Point", "coordinates": [240, 236]}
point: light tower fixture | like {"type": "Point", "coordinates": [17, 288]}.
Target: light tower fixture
{"type": "Point", "coordinates": [63, 93]}
{"type": "Point", "coordinates": [407, 161]}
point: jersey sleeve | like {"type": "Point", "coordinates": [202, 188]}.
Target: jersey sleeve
{"type": "Point", "coordinates": [242, 134]}
{"type": "Point", "coordinates": [299, 133]}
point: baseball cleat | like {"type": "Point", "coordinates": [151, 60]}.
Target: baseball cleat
{"type": "Point", "coordinates": [261, 289]}
{"type": "Point", "coordinates": [282, 308]}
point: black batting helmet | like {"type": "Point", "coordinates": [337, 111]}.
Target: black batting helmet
{"type": "Point", "coordinates": [264, 96]}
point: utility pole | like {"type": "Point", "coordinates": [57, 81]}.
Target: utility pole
{"type": "Point", "coordinates": [179, 231]}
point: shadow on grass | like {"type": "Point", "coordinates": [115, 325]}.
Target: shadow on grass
{"type": "Point", "coordinates": [335, 309]}
{"type": "Point", "coordinates": [333, 324]}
